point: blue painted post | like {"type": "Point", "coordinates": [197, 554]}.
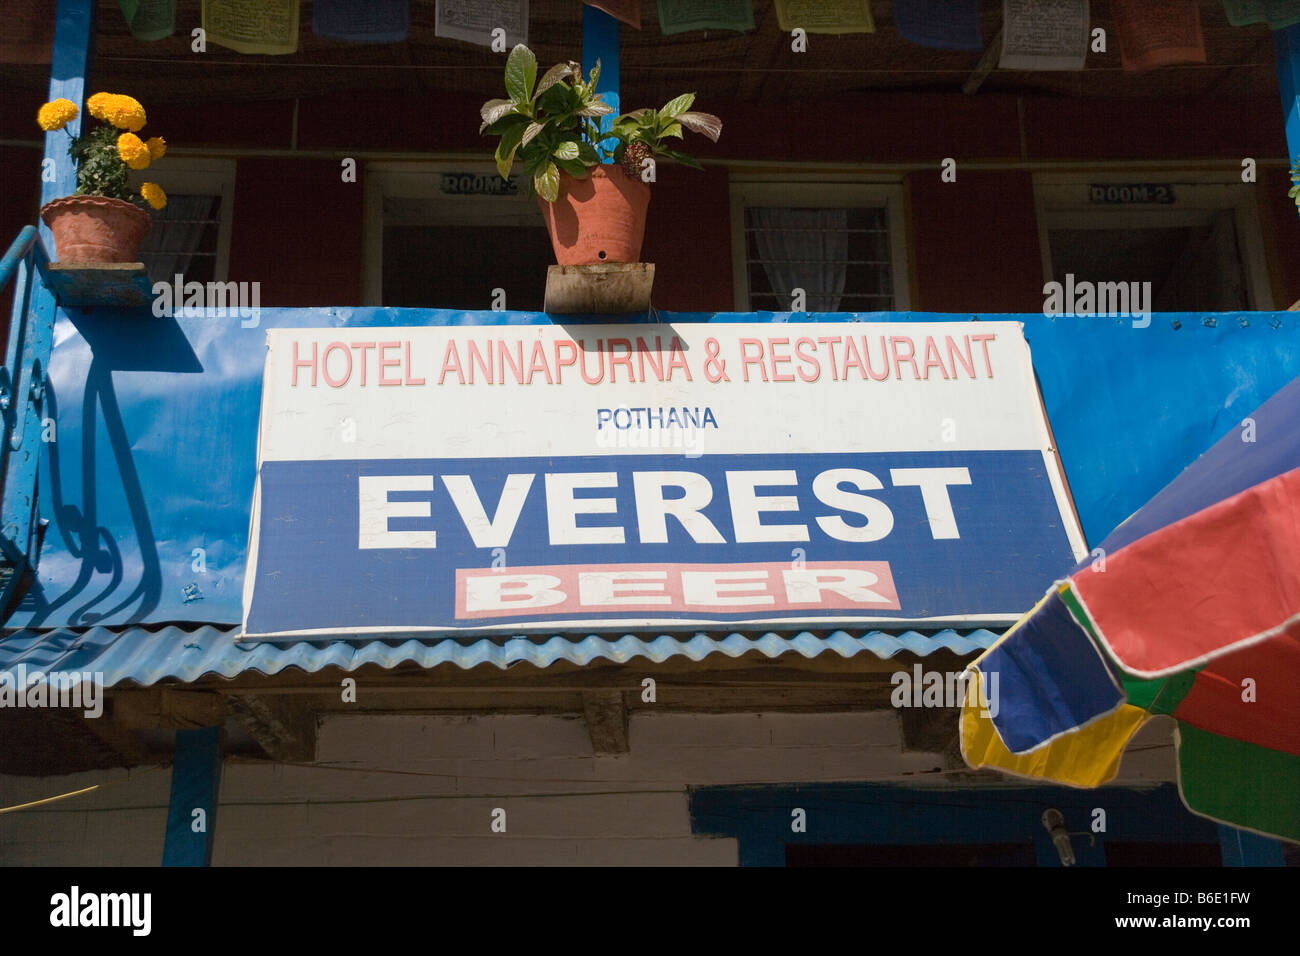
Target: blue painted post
{"type": "Point", "coordinates": [74, 43]}
{"type": "Point", "coordinates": [196, 778]}
{"type": "Point", "coordinates": [1286, 46]}
{"type": "Point", "coordinates": [31, 326]}
{"type": "Point", "coordinates": [600, 42]}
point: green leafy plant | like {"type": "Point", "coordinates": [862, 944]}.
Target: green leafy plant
{"type": "Point", "coordinates": [552, 125]}
{"type": "Point", "coordinates": [1294, 191]}
{"type": "Point", "coordinates": [542, 123]}
{"type": "Point", "coordinates": [100, 170]}
{"type": "Point", "coordinates": [643, 132]}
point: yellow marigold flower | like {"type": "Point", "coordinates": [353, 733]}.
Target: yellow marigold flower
{"type": "Point", "coordinates": [157, 147]}
{"type": "Point", "coordinates": [133, 151]}
{"type": "Point", "coordinates": [153, 195]}
{"type": "Point", "coordinates": [124, 112]}
{"type": "Point", "coordinates": [56, 114]}
{"type": "Point", "coordinates": [98, 104]}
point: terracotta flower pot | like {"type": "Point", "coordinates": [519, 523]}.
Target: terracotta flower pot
{"type": "Point", "coordinates": [95, 228]}
{"type": "Point", "coordinates": [597, 219]}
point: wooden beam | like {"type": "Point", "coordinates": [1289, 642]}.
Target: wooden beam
{"type": "Point", "coordinates": [987, 64]}
{"type": "Point", "coordinates": [933, 730]}
{"type": "Point", "coordinates": [606, 722]}
{"type": "Point", "coordinates": [284, 728]}
{"type": "Point", "coordinates": [167, 708]}
{"type": "Point", "coordinates": [108, 727]}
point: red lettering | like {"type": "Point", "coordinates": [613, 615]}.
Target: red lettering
{"type": "Point", "coordinates": [409, 380]}
{"type": "Point", "coordinates": [852, 359]}
{"type": "Point", "coordinates": [516, 363]}
{"type": "Point", "coordinates": [677, 359]}
{"type": "Point", "coordinates": [866, 352]}
{"type": "Point", "coordinates": [304, 363]}
{"type": "Point", "coordinates": [983, 339]}
{"type": "Point", "coordinates": [831, 341]}
{"type": "Point", "coordinates": [387, 363]}
{"type": "Point", "coordinates": [772, 345]}
{"type": "Point", "coordinates": [538, 363]}
{"type": "Point", "coordinates": [652, 357]}
{"type": "Point", "coordinates": [364, 347]}
{"type": "Point", "coordinates": [325, 365]}
{"type": "Point", "coordinates": [746, 359]}
{"type": "Point", "coordinates": [807, 359]}
{"type": "Point", "coordinates": [932, 348]}
{"type": "Point", "coordinates": [451, 363]}
{"type": "Point", "coordinates": [482, 361]}
{"type": "Point", "coordinates": [561, 363]}
{"type": "Point", "coordinates": [910, 357]}
{"type": "Point", "coordinates": [600, 354]}
{"type": "Point", "coordinates": [954, 356]}
{"type": "Point", "coordinates": [624, 360]}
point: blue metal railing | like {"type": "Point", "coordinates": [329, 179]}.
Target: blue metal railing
{"type": "Point", "coordinates": [22, 402]}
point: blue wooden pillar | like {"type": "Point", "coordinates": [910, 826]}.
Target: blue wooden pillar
{"type": "Point", "coordinates": [31, 324]}
{"type": "Point", "coordinates": [600, 42]}
{"type": "Point", "coordinates": [1286, 46]}
{"type": "Point", "coordinates": [192, 810]}
{"type": "Point", "coordinates": [74, 49]}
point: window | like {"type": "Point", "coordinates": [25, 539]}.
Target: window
{"type": "Point", "coordinates": [447, 236]}
{"type": "Point", "coordinates": [1194, 239]}
{"type": "Point", "coordinates": [191, 234]}
{"type": "Point", "coordinates": [841, 243]}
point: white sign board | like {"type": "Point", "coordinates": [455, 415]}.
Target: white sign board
{"type": "Point", "coordinates": [524, 478]}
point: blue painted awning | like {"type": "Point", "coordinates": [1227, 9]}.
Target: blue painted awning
{"type": "Point", "coordinates": [149, 485]}
{"type": "Point", "coordinates": [146, 656]}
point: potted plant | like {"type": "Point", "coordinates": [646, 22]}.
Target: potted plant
{"type": "Point", "coordinates": [591, 185]}
{"type": "Point", "coordinates": [105, 219]}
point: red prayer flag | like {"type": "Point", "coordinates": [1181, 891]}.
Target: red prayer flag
{"type": "Point", "coordinates": [1154, 33]}
{"type": "Point", "coordinates": [628, 11]}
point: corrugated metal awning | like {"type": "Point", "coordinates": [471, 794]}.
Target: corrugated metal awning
{"type": "Point", "coordinates": [146, 656]}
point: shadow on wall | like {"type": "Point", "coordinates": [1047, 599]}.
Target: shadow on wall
{"type": "Point", "coordinates": [119, 341]}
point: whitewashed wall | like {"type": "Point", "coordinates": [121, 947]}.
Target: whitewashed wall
{"type": "Point", "coordinates": [563, 805]}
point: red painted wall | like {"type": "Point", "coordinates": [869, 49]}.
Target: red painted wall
{"type": "Point", "coordinates": [297, 230]}
{"type": "Point", "coordinates": [1080, 129]}
{"type": "Point", "coordinates": [20, 200]}
{"type": "Point", "coordinates": [975, 242]}
{"type": "Point", "coordinates": [688, 238]}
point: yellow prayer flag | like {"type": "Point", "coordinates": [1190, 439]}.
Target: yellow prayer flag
{"type": "Point", "coordinates": [252, 26]}
{"type": "Point", "coordinates": [825, 16]}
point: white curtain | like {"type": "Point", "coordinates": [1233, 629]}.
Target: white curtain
{"type": "Point", "coordinates": [178, 229]}
{"type": "Point", "coordinates": [803, 249]}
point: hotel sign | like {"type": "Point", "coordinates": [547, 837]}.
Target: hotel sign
{"type": "Point", "coordinates": [540, 478]}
